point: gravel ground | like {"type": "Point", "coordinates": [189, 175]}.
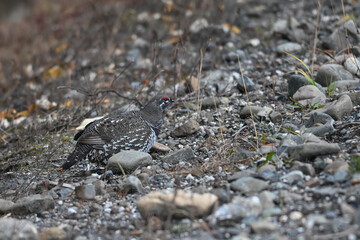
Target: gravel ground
{"type": "Point", "coordinates": [262, 141]}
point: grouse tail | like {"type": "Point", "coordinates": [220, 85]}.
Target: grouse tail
{"type": "Point", "coordinates": [79, 153]}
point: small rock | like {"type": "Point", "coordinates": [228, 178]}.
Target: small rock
{"type": "Point", "coordinates": [160, 147]}
{"type": "Point", "coordinates": [347, 210]}
{"type": "Point", "coordinates": [275, 117]}
{"type": "Point", "coordinates": [344, 85]}
{"type": "Point", "coordinates": [352, 64]}
{"type": "Point", "coordinates": [250, 85]}
{"type": "Point", "coordinates": [296, 81]}
{"type": "Point", "coordinates": [53, 233]}
{"type": "Point", "coordinates": [240, 207]}
{"type": "Point", "coordinates": [312, 150]}
{"type": "Point", "coordinates": [289, 47]}
{"type": "Point", "coordinates": [289, 197]}
{"type": "Point", "coordinates": [267, 199]}
{"type": "Point", "coordinates": [266, 172]}
{"type": "Point", "coordinates": [305, 168]}
{"type": "Point", "coordinates": [293, 176]}
{"type": "Point", "coordinates": [85, 192]}
{"type": "Point", "coordinates": [330, 73]}
{"type": "Point", "coordinates": [248, 185]}
{"type": "Point", "coordinates": [5, 206]}
{"type": "Point", "coordinates": [222, 194]}
{"type": "Point", "coordinates": [354, 96]}
{"type": "Point", "coordinates": [210, 102]}
{"type": "Point", "coordinates": [133, 183]}
{"type": "Point", "coordinates": [129, 161]}
{"type": "Point", "coordinates": [245, 111]}
{"type": "Point", "coordinates": [337, 166]}
{"type": "Point", "coordinates": [99, 187]}
{"type": "Point", "coordinates": [198, 25]}
{"type": "Point", "coordinates": [338, 177]}
{"type": "Point", "coordinates": [324, 191]}
{"type": "Point", "coordinates": [295, 215]}
{"type": "Point", "coordinates": [184, 155]}
{"type": "Point", "coordinates": [12, 228]}
{"type": "Point", "coordinates": [309, 95]}
{"type": "Point", "coordinates": [186, 129]}
{"type": "Point", "coordinates": [264, 113]}
{"type": "Point", "coordinates": [178, 203]}
{"type": "Point", "coordinates": [263, 226]}
{"type": "Point", "coordinates": [33, 204]}
{"type": "Point", "coordinates": [320, 118]}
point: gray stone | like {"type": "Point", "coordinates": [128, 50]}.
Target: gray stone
{"type": "Point", "coordinates": [267, 172]}
{"type": "Point", "coordinates": [129, 161]}
{"type": "Point", "coordinates": [338, 108]}
{"type": "Point", "coordinates": [309, 95]}
{"type": "Point", "coordinates": [186, 129]}
{"type": "Point", "coordinates": [326, 127]}
{"type": "Point", "coordinates": [293, 176]}
{"type": "Point", "coordinates": [296, 81]}
{"type": "Point", "coordinates": [267, 199]}
{"type": "Point", "coordinates": [240, 154]}
{"type": "Point", "coordinates": [339, 176]}
{"type": "Point", "coordinates": [312, 150]}
{"type": "Point", "coordinates": [249, 185]}
{"type": "Point", "coordinates": [133, 184]}
{"type": "Point", "coordinates": [280, 25]}
{"type": "Point", "coordinates": [337, 166]}
{"type": "Point", "coordinates": [5, 206]}
{"type": "Point", "coordinates": [245, 111]}
{"type": "Point", "coordinates": [184, 154]}
{"type": "Point", "coordinates": [354, 96]}
{"type": "Point", "coordinates": [305, 168]}
{"type": "Point", "coordinates": [198, 25]}
{"type": "Point", "coordinates": [339, 38]}
{"type": "Point", "coordinates": [240, 207]}
{"type": "Point", "coordinates": [264, 113]}
{"type": "Point", "coordinates": [250, 85]}
{"type": "Point", "coordinates": [263, 226]}
{"type": "Point", "coordinates": [324, 191]}
{"type": "Point", "coordinates": [289, 47]}
{"type": "Point", "coordinates": [241, 174]}
{"type": "Point", "coordinates": [330, 73]}
{"type": "Point", "coordinates": [210, 102]}
{"type": "Point", "coordinates": [275, 117]}
{"type": "Point", "coordinates": [344, 85]}
{"type": "Point", "coordinates": [352, 64]}
{"type": "Point", "coordinates": [33, 204]}
{"type": "Point", "coordinates": [289, 197]}
{"type": "Point", "coordinates": [289, 140]}
{"type": "Point", "coordinates": [85, 192]}
{"type": "Point", "coordinates": [15, 229]}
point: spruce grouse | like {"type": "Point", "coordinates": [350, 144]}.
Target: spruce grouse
{"type": "Point", "coordinates": [134, 130]}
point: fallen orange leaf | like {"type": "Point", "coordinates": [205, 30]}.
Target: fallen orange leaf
{"type": "Point", "coordinates": [61, 48]}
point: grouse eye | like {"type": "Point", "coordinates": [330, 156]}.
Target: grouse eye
{"type": "Point", "coordinates": [165, 99]}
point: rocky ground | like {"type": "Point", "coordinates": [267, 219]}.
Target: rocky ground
{"type": "Point", "coordinates": [262, 141]}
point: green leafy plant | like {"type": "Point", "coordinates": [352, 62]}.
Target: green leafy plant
{"type": "Point", "coordinates": [354, 163]}
{"type": "Point", "coordinates": [307, 73]}
{"type": "Point", "coordinates": [331, 88]}
{"type": "Point", "coordinates": [300, 106]}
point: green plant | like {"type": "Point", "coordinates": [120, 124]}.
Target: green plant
{"type": "Point", "coordinates": [354, 163]}
{"type": "Point", "coordinates": [299, 106]}
{"type": "Point", "coordinates": [308, 74]}
{"type": "Point", "coordinates": [331, 88]}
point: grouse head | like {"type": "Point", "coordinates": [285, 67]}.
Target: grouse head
{"type": "Point", "coordinates": [152, 112]}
